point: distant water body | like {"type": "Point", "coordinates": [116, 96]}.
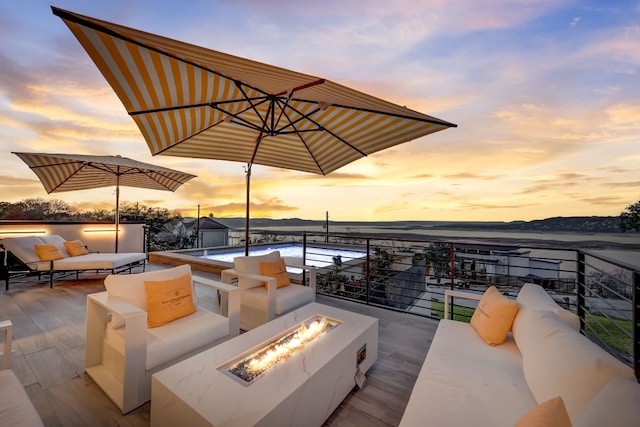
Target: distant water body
{"type": "Point", "coordinates": [623, 247]}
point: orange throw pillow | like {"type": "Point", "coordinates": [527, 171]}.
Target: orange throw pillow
{"type": "Point", "coordinates": [276, 269]}
{"type": "Point", "coordinates": [168, 300]}
{"type": "Point", "coordinates": [551, 413]}
{"type": "Point", "coordinates": [48, 252]}
{"type": "Point", "coordinates": [494, 316]}
{"type": "Point", "coordinates": [75, 248]}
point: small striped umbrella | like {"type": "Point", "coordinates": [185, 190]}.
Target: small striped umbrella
{"type": "Point", "coordinates": [70, 172]}
{"type": "Point", "coordinates": [195, 102]}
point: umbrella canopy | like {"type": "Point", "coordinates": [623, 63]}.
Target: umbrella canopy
{"type": "Point", "coordinates": [195, 102]}
{"type": "Point", "coordinates": [70, 172]}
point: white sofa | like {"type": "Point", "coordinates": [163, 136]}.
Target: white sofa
{"type": "Point", "coordinates": [23, 248]}
{"type": "Point", "coordinates": [122, 352]}
{"type": "Point", "coordinates": [465, 382]}
{"type": "Point", "coordinates": [16, 409]}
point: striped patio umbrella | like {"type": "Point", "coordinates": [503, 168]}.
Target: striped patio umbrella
{"type": "Point", "coordinates": [195, 102]}
{"type": "Point", "coordinates": [70, 172]}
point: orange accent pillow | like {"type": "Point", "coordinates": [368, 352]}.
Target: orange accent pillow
{"type": "Point", "coordinates": [168, 300]}
{"type": "Point", "coordinates": [494, 316]}
{"type": "Point", "coordinates": [48, 252]}
{"type": "Point", "coordinates": [75, 248]}
{"type": "Point", "coordinates": [276, 269]}
{"type": "Point", "coordinates": [550, 413]}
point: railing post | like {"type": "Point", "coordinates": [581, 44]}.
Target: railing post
{"type": "Point", "coordinates": [582, 289]}
{"type": "Point", "coordinates": [636, 324]}
{"type": "Point", "coordinates": [452, 273]}
{"type": "Point", "coordinates": [368, 272]}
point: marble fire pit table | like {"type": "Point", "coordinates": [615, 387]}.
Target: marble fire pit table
{"type": "Point", "coordinates": [302, 390]}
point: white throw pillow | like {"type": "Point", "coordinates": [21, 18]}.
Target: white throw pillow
{"type": "Point", "coordinates": [557, 360]}
{"type": "Point", "coordinates": [130, 287]}
{"type": "Point", "coordinates": [617, 404]}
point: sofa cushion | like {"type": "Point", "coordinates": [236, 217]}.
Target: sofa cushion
{"type": "Point", "coordinates": [130, 287]}
{"type": "Point", "coordinates": [183, 336]}
{"type": "Point", "coordinates": [98, 261]}
{"type": "Point", "coordinates": [557, 360]}
{"type": "Point", "coordinates": [533, 296]}
{"type": "Point", "coordinates": [287, 298]}
{"type": "Point", "coordinates": [75, 248]}
{"type": "Point", "coordinates": [276, 269]}
{"type": "Point", "coordinates": [48, 252]}
{"type": "Point", "coordinates": [16, 408]}
{"type": "Point", "coordinates": [617, 404]}
{"type": "Point", "coordinates": [464, 382]}
{"type": "Point", "coordinates": [493, 317]}
{"type": "Point", "coordinates": [551, 413]}
{"type": "Point", "coordinates": [168, 300]}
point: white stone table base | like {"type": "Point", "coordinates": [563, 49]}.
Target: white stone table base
{"type": "Point", "coordinates": [303, 390]}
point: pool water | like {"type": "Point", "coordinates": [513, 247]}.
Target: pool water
{"type": "Point", "coordinates": [316, 257]}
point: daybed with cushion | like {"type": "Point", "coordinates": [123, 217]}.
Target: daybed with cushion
{"type": "Point", "coordinates": [543, 370]}
{"type": "Point", "coordinates": [146, 322]}
{"type": "Point", "coordinates": [53, 254]}
{"type": "Point", "coordinates": [265, 289]}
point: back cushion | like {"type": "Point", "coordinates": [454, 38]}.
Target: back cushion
{"type": "Point", "coordinates": [251, 265]}
{"type": "Point", "coordinates": [23, 248]}
{"type": "Point", "coordinates": [130, 287]}
{"type": "Point", "coordinates": [557, 360]}
{"type": "Point", "coordinates": [533, 296]}
{"type": "Point", "coordinates": [276, 269]}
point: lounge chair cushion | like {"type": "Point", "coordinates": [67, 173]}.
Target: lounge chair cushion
{"type": "Point", "coordinates": [97, 261]}
{"type": "Point", "coordinates": [533, 296]}
{"type": "Point", "coordinates": [168, 300]}
{"type": "Point", "coordinates": [24, 249]}
{"type": "Point", "coordinates": [58, 241]}
{"type": "Point", "coordinates": [48, 252]}
{"type": "Point", "coordinates": [287, 298]}
{"type": "Point", "coordinates": [130, 287]}
{"type": "Point", "coordinates": [621, 396]}
{"type": "Point", "coordinates": [75, 248]}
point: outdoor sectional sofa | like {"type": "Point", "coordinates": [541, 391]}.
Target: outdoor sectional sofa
{"type": "Point", "coordinates": [20, 258]}
{"type": "Point", "coordinates": [464, 381]}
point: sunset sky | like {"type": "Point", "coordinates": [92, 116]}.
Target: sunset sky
{"type": "Point", "coordinates": [545, 93]}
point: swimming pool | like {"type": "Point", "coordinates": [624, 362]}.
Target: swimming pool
{"type": "Point", "coordinates": [315, 256]}
{"type": "Point", "coordinates": [215, 259]}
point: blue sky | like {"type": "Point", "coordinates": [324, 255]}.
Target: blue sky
{"type": "Point", "coordinates": [545, 95]}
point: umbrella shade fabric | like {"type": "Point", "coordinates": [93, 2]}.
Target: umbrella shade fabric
{"type": "Point", "coordinates": [190, 101]}
{"type": "Point", "coordinates": [195, 102]}
{"type": "Point", "coordinates": [70, 172]}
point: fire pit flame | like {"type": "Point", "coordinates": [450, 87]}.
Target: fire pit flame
{"type": "Point", "coordinates": [279, 349]}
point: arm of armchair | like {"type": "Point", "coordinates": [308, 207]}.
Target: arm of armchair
{"type": "Point", "coordinates": [230, 299]}
{"type": "Point", "coordinates": [247, 281]}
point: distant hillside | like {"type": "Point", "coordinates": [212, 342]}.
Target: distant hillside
{"type": "Point", "coordinates": [575, 224]}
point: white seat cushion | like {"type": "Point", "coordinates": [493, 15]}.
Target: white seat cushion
{"type": "Point", "coordinates": [184, 335]}
{"type": "Point", "coordinates": [287, 298]}
{"type": "Point", "coordinates": [97, 261]}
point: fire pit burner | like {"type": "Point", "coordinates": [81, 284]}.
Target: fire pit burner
{"type": "Point", "coordinates": [249, 366]}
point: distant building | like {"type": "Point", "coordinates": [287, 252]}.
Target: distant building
{"type": "Point", "coordinates": [209, 231]}
{"type": "Point", "coordinates": [498, 264]}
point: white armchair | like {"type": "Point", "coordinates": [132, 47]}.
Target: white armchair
{"type": "Point", "coordinates": [122, 352]}
{"type": "Point", "coordinates": [260, 299]}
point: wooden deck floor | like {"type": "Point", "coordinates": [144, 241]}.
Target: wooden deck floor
{"type": "Point", "coordinates": [48, 357]}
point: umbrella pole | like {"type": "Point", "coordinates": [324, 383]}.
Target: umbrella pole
{"type": "Point", "coordinates": [246, 220]}
{"type": "Point", "coordinates": [117, 206]}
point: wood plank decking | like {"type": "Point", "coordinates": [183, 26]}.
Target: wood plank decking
{"type": "Point", "coordinates": [48, 357]}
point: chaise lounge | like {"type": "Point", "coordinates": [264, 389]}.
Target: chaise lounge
{"type": "Point", "coordinates": [51, 255]}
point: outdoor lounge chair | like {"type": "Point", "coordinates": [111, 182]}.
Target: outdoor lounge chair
{"type": "Point", "coordinates": [126, 343]}
{"type": "Point", "coordinates": [21, 259]}
{"type": "Point", "coordinates": [264, 297]}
